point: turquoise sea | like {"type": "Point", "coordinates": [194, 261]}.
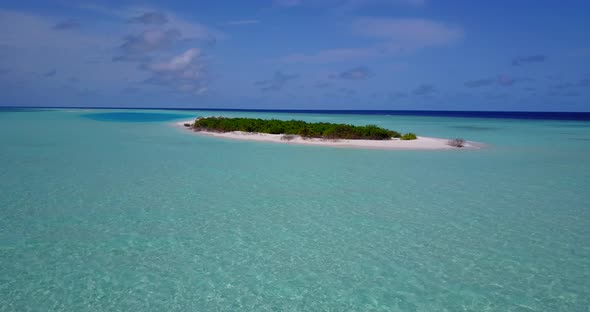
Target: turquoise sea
{"type": "Point", "coordinates": [118, 210]}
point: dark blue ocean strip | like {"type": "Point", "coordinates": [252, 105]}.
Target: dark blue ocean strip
{"type": "Point", "coordinates": [583, 116]}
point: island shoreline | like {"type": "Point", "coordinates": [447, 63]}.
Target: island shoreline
{"type": "Point", "coordinates": [421, 143]}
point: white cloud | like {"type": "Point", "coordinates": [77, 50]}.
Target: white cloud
{"type": "Point", "coordinates": [331, 55]}
{"type": "Point", "coordinates": [393, 36]}
{"type": "Point", "coordinates": [347, 4]}
{"type": "Point", "coordinates": [152, 34]}
{"type": "Point", "coordinates": [357, 73]}
{"type": "Point", "coordinates": [150, 18]}
{"type": "Point", "coordinates": [33, 42]}
{"type": "Point", "coordinates": [287, 3]}
{"type": "Point", "coordinates": [243, 22]}
{"type": "Point", "coordinates": [184, 72]}
{"type": "Point", "coordinates": [177, 63]}
{"type": "Point", "coordinates": [410, 32]}
{"type": "Point", "coordinates": [150, 40]}
{"type": "Point", "coordinates": [356, 4]}
{"type": "Point", "coordinates": [87, 52]}
{"type": "Point", "coordinates": [154, 17]}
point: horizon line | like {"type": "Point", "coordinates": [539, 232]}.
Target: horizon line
{"type": "Point", "coordinates": [300, 110]}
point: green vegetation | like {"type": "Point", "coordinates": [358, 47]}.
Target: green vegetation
{"type": "Point", "coordinates": [304, 129]}
{"type": "Point", "coordinates": [408, 136]}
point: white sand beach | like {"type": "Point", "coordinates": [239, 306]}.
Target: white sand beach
{"type": "Point", "coordinates": [421, 143]}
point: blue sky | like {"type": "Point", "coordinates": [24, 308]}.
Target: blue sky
{"type": "Point", "coordinates": [297, 54]}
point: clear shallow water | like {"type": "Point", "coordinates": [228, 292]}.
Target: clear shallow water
{"type": "Point", "coordinates": [112, 212]}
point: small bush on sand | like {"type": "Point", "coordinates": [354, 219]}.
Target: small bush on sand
{"type": "Point", "coordinates": [408, 136]}
{"type": "Point", "coordinates": [458, 142]}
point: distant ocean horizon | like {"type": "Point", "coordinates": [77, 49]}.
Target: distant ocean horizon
{"type": "Point", "coordinates": [535, 115]}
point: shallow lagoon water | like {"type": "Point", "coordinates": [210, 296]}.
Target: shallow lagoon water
{"type": "Point", "coordinates": [111, 212]}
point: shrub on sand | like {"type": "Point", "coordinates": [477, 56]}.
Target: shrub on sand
{"type": "Point", "coordinates": [408, 136]}
{"type": "Point", "coordinates": [458, 142]}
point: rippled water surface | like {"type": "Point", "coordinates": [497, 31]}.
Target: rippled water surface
{"type": "Point", "coordinates": [120, 211]}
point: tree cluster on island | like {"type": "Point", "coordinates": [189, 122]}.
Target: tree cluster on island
{"type": "Point", "coordinates": [322, 130]}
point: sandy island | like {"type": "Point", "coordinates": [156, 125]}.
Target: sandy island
{"type": "Point", "coordinates": [421, 143]}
